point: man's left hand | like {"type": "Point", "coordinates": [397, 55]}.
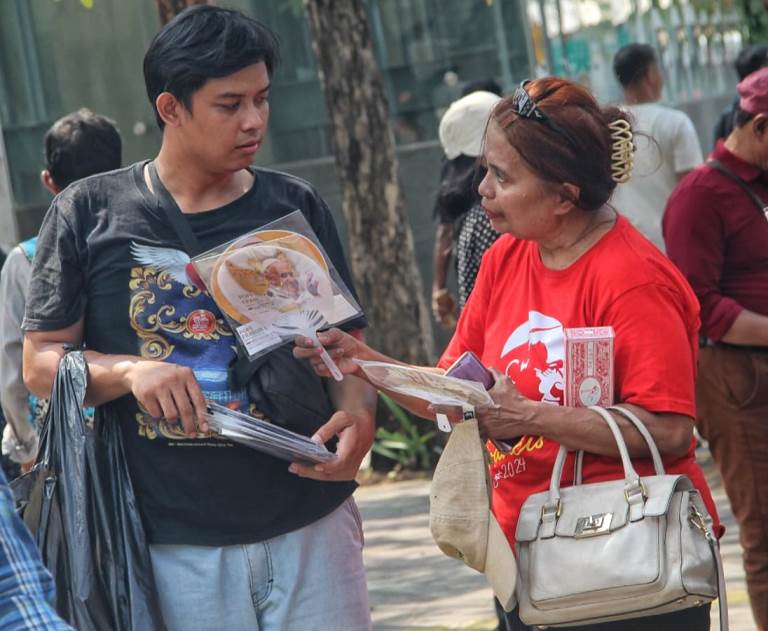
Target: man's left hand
{"type": "Point", "coordinates": [509, 416]}
{"type": "Point", "coordinates": [355, 432]}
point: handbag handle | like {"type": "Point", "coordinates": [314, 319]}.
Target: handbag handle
{"type": "Point", "coordinates": [658, 464]}
{"type": "Point", "coordinates": [634, 491]}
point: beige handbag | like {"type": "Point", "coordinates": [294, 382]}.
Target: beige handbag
{"type": "Point", "coordinates": [616, 550]}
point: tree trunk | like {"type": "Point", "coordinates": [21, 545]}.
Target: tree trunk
{"type": "Point", "coordinates": [380, 240]}
{"type": "Point", "coordinates": [168, 9]}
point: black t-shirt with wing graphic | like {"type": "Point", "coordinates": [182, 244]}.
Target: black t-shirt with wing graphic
{"type": "Point", "coordinates": [108, 254]}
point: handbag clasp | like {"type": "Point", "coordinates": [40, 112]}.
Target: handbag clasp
{"type": "Point", "coordinates": [593, 525]}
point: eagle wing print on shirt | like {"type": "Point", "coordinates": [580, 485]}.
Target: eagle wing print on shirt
{"type": "Point", "coordinates": [175, 263]}
{"type": "Point", "coordinates": [176, 320]}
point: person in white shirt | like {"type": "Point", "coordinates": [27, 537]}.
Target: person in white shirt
{"type": "Point", "coordinates": [666, 144]}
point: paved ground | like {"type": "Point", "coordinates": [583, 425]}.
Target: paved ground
{"type": "Point", "coordinates": [414, 586]}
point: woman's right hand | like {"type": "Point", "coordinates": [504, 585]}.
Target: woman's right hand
{"type": "Point", "coordinates": [341, 346]}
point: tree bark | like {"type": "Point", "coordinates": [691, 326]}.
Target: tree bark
{"type": "Point", "coordinates": [168, 9]}
{"type": "Point", "coordinates": [380, 240]}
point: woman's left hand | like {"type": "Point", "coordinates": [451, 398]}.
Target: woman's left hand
{"type": "Point", "coordinates": [512, 414]}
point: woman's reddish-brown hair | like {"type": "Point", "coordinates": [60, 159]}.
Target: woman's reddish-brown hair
{"type": "Point", "coordinates": [584, 157]}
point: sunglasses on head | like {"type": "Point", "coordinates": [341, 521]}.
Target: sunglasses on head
{"type": "Point", "coordinates": [525, 107]}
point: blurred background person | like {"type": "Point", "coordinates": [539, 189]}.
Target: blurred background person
{"type": "Point", "coordinates": [462, 225]}
{"type": "Point", "coordinates": [666, 144]}
{"type": "Point", "coordinates": [717, 234]}
{"type": "Point", "coordinates": [750, 59]}
{"type": "Point", "coordinates": [78, 145]}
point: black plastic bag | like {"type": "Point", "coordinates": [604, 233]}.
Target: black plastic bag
{"type": "Point", "coordinates": [78, 502]}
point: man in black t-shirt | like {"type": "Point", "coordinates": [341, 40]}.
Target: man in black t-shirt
{"type": "Point", "coordinates": [238, 539]}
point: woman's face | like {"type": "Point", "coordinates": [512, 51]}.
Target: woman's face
{"type": "Point", "coordinates": [515, 200]}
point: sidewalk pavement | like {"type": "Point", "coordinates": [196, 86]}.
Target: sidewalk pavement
{"type": "Point", "coordinates": [414, 586]}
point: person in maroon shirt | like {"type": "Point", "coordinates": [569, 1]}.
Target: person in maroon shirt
{"type": "Point", "coordinates": [716, 232]}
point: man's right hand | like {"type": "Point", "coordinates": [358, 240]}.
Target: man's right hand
{"type": "Point", "coordinates": [163, 389]}
{"type": "Point", "coordinates": [170, 391]}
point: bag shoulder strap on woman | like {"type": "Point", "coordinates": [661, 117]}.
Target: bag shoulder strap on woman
{"type": "Point", "coordinates": [719, 166]}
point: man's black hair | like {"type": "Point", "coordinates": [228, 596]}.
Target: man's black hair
{"type": "Point", "coordinates": [204, 42]}
{"type": "Point", "coordinates": [750, 59]}
{"type": "Point", "coordinates": [81, 144]}
{"type": "Point", "coordinates": [631, 63]}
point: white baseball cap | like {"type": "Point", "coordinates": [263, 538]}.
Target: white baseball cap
{"type": "Point", "coordinates": [463, 124]}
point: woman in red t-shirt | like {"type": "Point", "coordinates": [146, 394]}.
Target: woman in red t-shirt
{"type": "Point", "coordinates": [567, 259]}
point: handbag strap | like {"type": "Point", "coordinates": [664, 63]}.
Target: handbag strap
{"type": "Point", "coordinates": [168, 206]}
{"type": "Point", "coordinates": [658, 463]}
{"type": "Point", "coordinates": [719, 166]}
{"type": "Point", "coordinates": [722, 594]}
{"type": "Point", "coordinates": [633, 489]}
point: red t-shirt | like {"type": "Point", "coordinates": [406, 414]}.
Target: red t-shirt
{"type": "Point", "coordinates": [514, 322]}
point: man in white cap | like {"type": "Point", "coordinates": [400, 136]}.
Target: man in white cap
{"type": "Point", "coordinates": [461, 221]}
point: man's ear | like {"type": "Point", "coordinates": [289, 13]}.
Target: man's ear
{"type": "Point", "coordinates": [169, 108]}
{"type": "Point", "coordinates": [568, 197]}
{"type": "Point", "coordinates": [47, 181]}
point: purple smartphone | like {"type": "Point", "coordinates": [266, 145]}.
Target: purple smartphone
{"type": "Point", "coordinates": [469, 367]}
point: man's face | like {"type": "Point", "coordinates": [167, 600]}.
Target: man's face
{"type": "Point", "coordinates": [227, 121]}
{"type": "Point", "coordinates": [514, 199]}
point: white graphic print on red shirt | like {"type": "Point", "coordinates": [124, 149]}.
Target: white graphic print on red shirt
{"type": "Point", "coordinates": [534, 356]}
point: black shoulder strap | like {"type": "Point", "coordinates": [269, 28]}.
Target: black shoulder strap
{"type": "Point", "coordinates": [241, 370]}
{"type": "Point", "coordinates": [167, 205]}
{"type": "Point", "coordinates": [719, 166]}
